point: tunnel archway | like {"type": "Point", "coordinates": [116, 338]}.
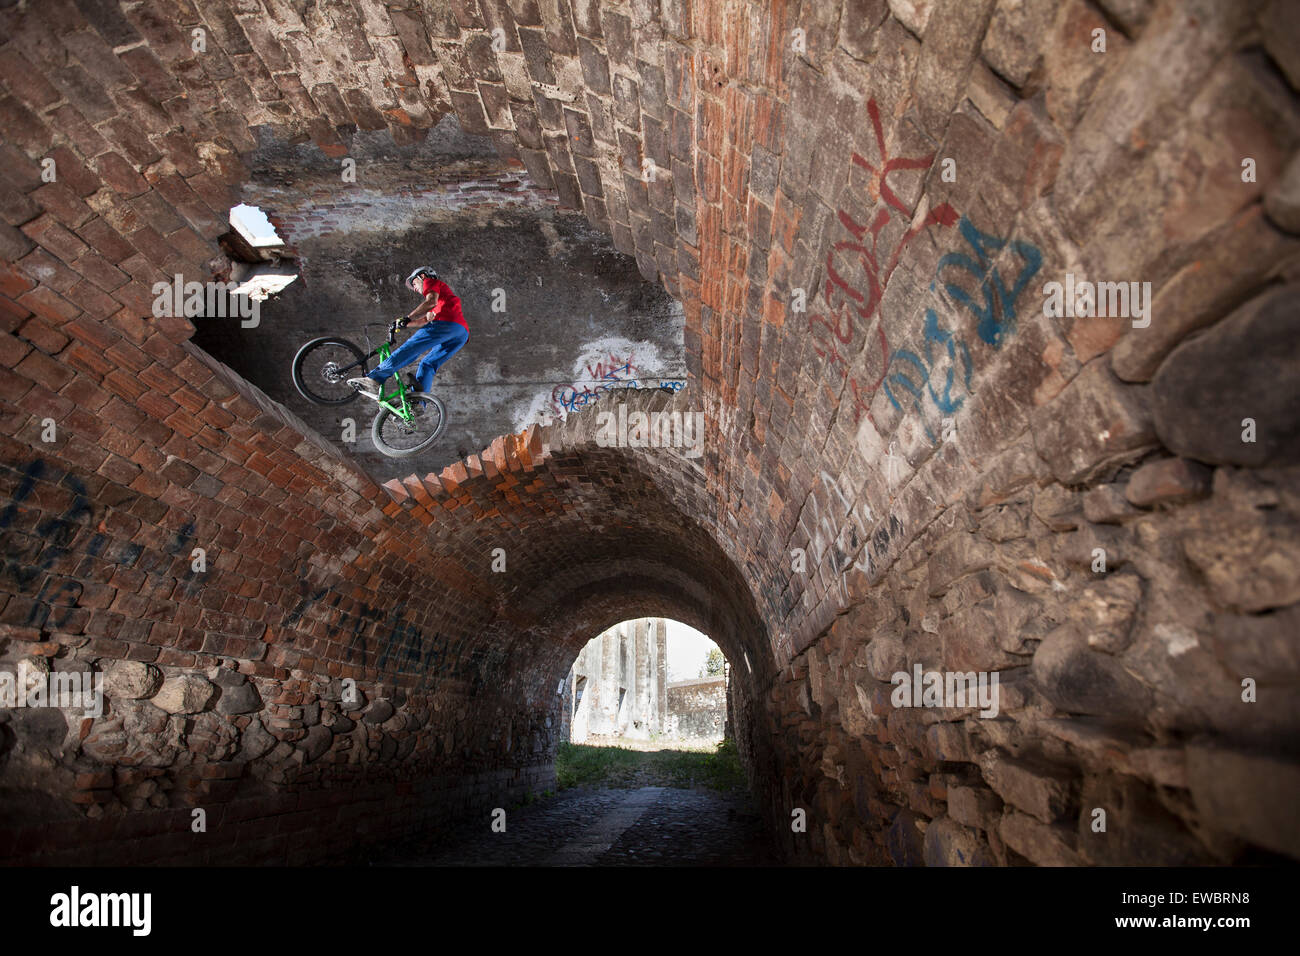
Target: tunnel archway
{"type": "Point", "coordinates": [915, 461]}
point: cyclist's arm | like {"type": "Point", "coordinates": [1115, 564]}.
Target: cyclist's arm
{"type": "Point", "coordinates": [423, 312]}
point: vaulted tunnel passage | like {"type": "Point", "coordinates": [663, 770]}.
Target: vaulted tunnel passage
{"type": "Point", "coordinates": [914, 462]}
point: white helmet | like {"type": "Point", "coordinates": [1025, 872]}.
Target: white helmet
{"type": "Point", "coordinates": [417, 274]}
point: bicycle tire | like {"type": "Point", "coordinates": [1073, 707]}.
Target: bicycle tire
{"type": "Point", "coordinates": [392, 451]}
{"type": "Point", "coordinates": [301, 383]}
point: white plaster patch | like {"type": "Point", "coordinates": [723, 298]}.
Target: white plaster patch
{"type": "Point", "coordinates": [1178, 640]}
{"type": "Point", "coordinates": [602, 366]}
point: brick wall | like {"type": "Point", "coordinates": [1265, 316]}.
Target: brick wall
{"type": "Point", "coordinates": [944, 455]}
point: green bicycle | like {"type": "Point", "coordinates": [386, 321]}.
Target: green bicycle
{"type": "Point", "coordinates": [405, 424]}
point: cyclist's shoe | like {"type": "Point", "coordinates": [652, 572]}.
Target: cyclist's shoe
{"type": "Point", "coordinates": [366, 386]}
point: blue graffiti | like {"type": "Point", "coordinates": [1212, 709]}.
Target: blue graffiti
{"type": "Point", "coordinates": [995, 318]}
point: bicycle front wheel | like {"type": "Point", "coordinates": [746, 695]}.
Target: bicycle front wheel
{"type": "Point", "coordinates": [399, 439]}
{"type": "Point", "coordinates": [322, 367]}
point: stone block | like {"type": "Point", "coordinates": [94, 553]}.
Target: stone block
{"type": "Point", "coordinates": [1168, 481]}
{"type": "Point", "coordinates": [1105, 610]}
{"type": "Point", "coordinates": [1080, 680]}
{"type": "Point", "coordinates": [1093, 426]}
{"type": "Point", "coordinates": [1107, 504]}
{"type": "Point", "coordinates": [904, 840]}
{"type": "Point", "coordinates": [132, 679]}
{"type": "Point", "coordinates": [949, 742]}
{"type": "Point", "coordinates": [1253, 797]}
{"type": "Point", "coordinates": [1040, 843]}
{"type": "Point", "coordinates": [378, 711]}
{"type": "Point", "coordinates": [1016, 32]}
{"type": "Point", "coordinates": [1045, 793]}
{"type": "Point", "coordinates": [1209, 387]}
{"type": "Point", "coordinates": [317, 741]}
{"type": "Point", "coordinates": [238, 695]}
{"type": "Point", "coordinates": [1139, 831]}
{"type": "Point", "coordinates": [948, 843]}
{"type": "Point", "coordinates": [959, 555]}
{"type": "Point", "coordinates": [1250, 561]}
{"type": "Point", "coordinates": [1282, 201]}
{"type": "Point", "coordinates": [186, 694]}
{"type": "Point", "coordinates": [1280, 33]}
{"type": "Point", "coordinates": [885, 656]}
{"type": "Point", "coordinates": [948, 49]}
{"type": "Point", "coordinates": [974, 807]}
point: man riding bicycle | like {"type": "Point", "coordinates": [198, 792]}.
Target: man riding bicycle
{"type": "Point", "coordinates": [442, 333]}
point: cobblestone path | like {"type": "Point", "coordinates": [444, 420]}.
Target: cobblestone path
{"type": "Point", "coordinates": [649, 826]}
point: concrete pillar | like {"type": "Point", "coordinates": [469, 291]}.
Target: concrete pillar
{"type": "Point", "coordinates": [603, 719]}
{"type": "Point", "coordinates": [652, 679]}
{"type": "Point", "coordinates": [640, 711]}
{"type": "Point", "coordinates": [625, 688]}
{"type": "Point", "coordinates": [661, 650]}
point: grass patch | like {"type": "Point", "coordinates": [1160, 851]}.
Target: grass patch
{"type": "Point", "coordinates": [579, 765]}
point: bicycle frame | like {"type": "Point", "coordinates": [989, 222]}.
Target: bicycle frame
{"type": "Point", "coordinates": [403, 408]}
{"type": "Point", "coordinates": [394, 400]}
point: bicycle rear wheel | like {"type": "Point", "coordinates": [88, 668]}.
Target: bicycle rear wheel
{"type": "Point", "coordinates": [322, 367]}
{"type": "Point", "coordinates": [398, 439]}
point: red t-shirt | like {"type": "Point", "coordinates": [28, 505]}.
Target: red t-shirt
{"type": "Point", "coordinates": [448, 307]}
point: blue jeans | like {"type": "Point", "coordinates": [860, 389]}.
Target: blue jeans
{"type": "Point", "coordinates": [441, 340]}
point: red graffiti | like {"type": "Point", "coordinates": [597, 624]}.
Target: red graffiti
{"type": "Point", "coordinates": [601, 375]}
{"type": "Point", "coordinates": [854, 302]}
{"type": "Point", "coordinates": [611, 369]}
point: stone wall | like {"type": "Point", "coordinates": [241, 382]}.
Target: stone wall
{"type": "Point", "coordinates": [697, 709]}
{"type": "Point", "coordinates": [909, 461]}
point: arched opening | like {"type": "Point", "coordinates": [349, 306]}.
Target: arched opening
{"type": "Point", "coordinates": [648, 683]}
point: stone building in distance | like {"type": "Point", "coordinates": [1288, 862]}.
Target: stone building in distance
{"type": "Point", "coordinates": [619, 688]}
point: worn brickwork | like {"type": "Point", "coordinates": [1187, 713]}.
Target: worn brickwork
{"type": "Point", "coordinates": [909, 462]}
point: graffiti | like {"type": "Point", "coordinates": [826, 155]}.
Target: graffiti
{"type": "Point", "coordinates": [889, 531]}
{"type": "Point", "coordinates": [29, 559]}
{"type": "Point", "coordinates": [608, 375]}
{"type": "Point", "coordinates": [842, 537]}
{"type": "Point", "coordinates": [371, 636]}
{"type": "Point", "coordinates": [849, 307]}
{"type": "Point", "coordinates": [858, 306]}
{"type": "Point", "coordinates": [604, 376]}
{"type": "Point", "coordinates": [839, 533]}
{"type": "Point", "coordinates": [992, 304]}
{"type": "Point", "coordinates": [612, 370]}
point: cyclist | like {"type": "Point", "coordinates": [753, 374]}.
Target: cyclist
{"type": "Point", "coordinates": [442, 333]}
